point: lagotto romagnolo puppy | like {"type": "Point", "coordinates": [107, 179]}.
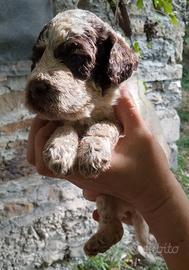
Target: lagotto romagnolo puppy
{"type": "Point", "coordinates": [78, 63]}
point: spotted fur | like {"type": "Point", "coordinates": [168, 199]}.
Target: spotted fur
{"type": "Point", "coordinates": [78, 63]}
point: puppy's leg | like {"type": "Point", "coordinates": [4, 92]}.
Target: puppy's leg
{"type": "Point", "coordinates": [141, 228]}
{"type": "Point", "coordinates": [60, 151]}
{"type": "Point", "coordinates": [94, 152]}
{"type": "Point", "coordinates": [110, 227]}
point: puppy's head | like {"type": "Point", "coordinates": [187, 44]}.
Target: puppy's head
{"type": "Point", "coordinates": [76, 60]}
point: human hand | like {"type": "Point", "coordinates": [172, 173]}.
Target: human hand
{"type": "Point", "coordinates": [138, 166]}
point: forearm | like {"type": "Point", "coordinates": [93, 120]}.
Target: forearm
{"type": "Point", "coordinates": [169, 223]}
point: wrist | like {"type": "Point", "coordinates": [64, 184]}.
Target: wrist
{"type": "Point", "coordinates": [169, 223]}
{"type": "Point", "coordinates": [157, 194]}
{"type": "Point", "coordinates": [167, 213]}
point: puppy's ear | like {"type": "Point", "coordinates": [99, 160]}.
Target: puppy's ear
{"type": "Point", "coordinates": [122, 62]}
{"type": "Point", "coordinates": [39, 46]}
{"type": "Point", "coordinates": [115, 61]}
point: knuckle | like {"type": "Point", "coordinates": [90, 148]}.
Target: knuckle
{"type": "Point", "coordinates": [40, 170]}
{"type": "Point", "coordinates": [30, 159]}
{"type": "Point", "coordinates": [148, 137]}
{"type": "Point", "coordinates": [40, 138]}
{"type": "Point", "coordinates": [39, 134]}
{"type": "Point", "coordinates": [145, 136]}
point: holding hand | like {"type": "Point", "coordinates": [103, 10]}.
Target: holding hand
{"type": "Point", "coordinates": [138, 161]}
{"type": "Point", "coordinates": [139, 174]}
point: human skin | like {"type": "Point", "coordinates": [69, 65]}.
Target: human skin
{"type": "Point", "coordinates": [139, 175]}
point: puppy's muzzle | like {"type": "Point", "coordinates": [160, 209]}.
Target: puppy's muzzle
{"type": "Point", "coordinates": [40, 96]}
{"type": "Point", "coordinates": [38, 89]}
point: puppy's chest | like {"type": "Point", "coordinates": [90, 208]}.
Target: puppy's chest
{"type": "Point", "coordinates": [97, 116]}
{"type": "Point", "coordinates": [82, 128]}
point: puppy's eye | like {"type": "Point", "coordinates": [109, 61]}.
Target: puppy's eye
{"type": "Point", "coordinates": [65, 50]}
{"type": "Point", "coordinates": [76, 58]}
{"type": "Point", "coordinates": [36, 55]}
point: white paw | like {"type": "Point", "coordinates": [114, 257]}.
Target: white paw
{"type": "Point", "coordinates": [94, 156]}
{"type": "Point", "coordinates": [58, 159]}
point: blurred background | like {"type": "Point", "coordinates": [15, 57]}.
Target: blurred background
{"type": "Point", "coordinates": [45, 222]}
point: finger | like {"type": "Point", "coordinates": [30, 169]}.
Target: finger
{"type": "Point", "coordinates": [95, 215]}
{"type": "Point", "coordinates": [40, 140]}
{"type": "Point", "coordinates": [90, 195]}
{"type": "Point", "coordinates": [127, 219]}
{"type": "Point", "coordinates": [37, 123]}
{"type": "Point", "coordinates": [127, 112]}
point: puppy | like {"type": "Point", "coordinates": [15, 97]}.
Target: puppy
{"type": "Point", "coordinates": [78, 63]}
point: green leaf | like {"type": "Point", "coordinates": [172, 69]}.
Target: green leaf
{"type": "Point", "coordinates": [139, 4]}
{"type": "Point", "coordinates": [136, 47]}
{"type": "Point", "coordinates": [157, 4]}
{"type": "Point", "coordinates": [167, 7]}
{"type": "Point", "coordinates": [173, 19]}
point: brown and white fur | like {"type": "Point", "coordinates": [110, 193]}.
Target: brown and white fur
{"type": "Point", "coordinates": [78, 63]}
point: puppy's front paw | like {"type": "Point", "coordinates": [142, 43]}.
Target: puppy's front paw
{"type": "Point", "coordinates": [58, 159]}
{"type": "Point", "coordinates": [94, 156]}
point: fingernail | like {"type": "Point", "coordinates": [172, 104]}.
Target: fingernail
{"type": "Point", "coordinates": [95, 215]}
{"type": "Point", "coordinates": [123, 91]}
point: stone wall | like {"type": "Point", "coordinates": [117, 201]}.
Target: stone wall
{"type": "Point", "coordinates": [43, 222]}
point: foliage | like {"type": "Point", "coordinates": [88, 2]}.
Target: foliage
{"type": "Point", "coordinates": [107, 261]}
{"type": "Point", "coordinates": [94, 263]}
{"type": "Point", "coordinates": [182, 172]}
{"type": "Point", "coordinates": [140, 4]}
{"type": "Point", "coordinates": [136, 48]}
{"type": "Point", "coordinates": [132, 262]}
{"type": "Point", "coordinates": [163, 6]}
{"type": "Point", "coordinates": [182, 167]}
{"type": "Point", "coordinates": [183, 144]}
{"type": "Point", "coordinates": [185, 81]}
{"type": "Point", "coordinates": [115, 259]}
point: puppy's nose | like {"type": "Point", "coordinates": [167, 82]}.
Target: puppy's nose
{"type": "Point", "coordinates": [38, 89]}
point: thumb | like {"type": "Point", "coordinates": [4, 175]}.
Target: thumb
{"type": "Point", "coordinates": [127, 112]}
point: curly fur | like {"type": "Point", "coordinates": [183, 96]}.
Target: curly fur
{"type": "Point", "coordinates": [78, 63]}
